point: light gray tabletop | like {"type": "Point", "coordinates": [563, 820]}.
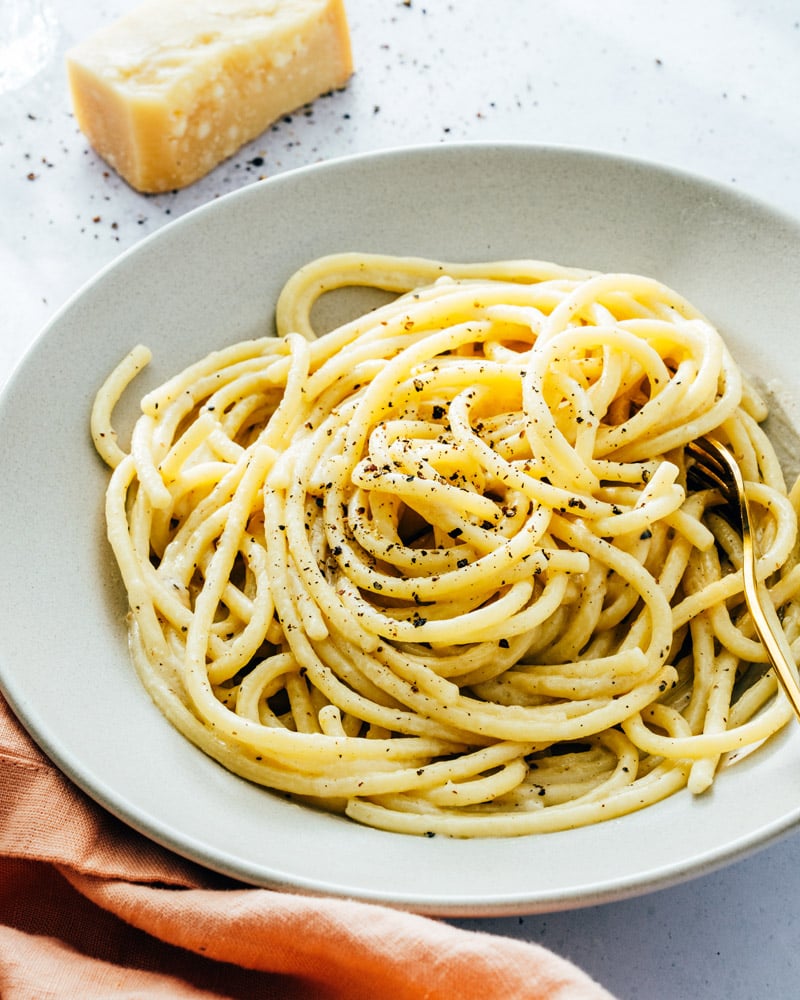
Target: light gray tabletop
{"type": "Point", "coordinates": [710, 87]}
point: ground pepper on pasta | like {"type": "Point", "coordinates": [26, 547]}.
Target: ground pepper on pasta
{"type": "Point", "coordinates": [439, 569]}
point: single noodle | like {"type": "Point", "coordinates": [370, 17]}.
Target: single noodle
{"type": "Point", "coordinates": [439, 569]}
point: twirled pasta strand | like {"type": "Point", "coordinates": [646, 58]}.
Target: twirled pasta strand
{"type": "Point", "coordinates": [439, 569]}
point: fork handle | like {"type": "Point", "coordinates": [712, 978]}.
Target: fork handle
{"type": "Point", "coordinates": [770, 631]}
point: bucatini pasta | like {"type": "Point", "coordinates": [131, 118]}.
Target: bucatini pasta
{"type": "Point", "coordinates": [439, 568]}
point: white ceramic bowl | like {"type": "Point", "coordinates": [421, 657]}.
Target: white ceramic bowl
{"type": "Point", "coordinates": [212, 277]}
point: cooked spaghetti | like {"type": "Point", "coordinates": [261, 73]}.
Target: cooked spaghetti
{"type": "Point", "coordinates": [439, 568]}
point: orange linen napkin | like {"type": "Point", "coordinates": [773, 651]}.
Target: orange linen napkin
{"type": "Point", "coordinates": [91, 909]}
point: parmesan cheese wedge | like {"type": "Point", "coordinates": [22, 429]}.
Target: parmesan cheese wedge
{"type": "Point", "coordinates": [171, 89]}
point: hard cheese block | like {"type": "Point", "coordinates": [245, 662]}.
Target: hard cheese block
{"type": "Point", "coordinates": [170, 90]}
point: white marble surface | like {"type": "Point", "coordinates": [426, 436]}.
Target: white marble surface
{"type": "Point", "coordinates": [711, 87]}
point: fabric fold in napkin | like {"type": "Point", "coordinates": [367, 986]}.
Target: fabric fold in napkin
{"type": "Point", "coordinates": [91, 909]}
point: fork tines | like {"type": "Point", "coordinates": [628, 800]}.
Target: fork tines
{"type": "Point", "coordinates": [713, 467]}
{"type": "Point", "coordinates": [708, 469]}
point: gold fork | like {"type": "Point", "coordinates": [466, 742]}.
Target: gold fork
{"type": "Point", "coordinates": [714, 466]}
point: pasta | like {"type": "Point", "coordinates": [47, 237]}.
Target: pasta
{"type": "Point", "coordinates": [439, 569]}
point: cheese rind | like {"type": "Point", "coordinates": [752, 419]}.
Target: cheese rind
{"type": "Point", "coordinates": [170, 90]}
